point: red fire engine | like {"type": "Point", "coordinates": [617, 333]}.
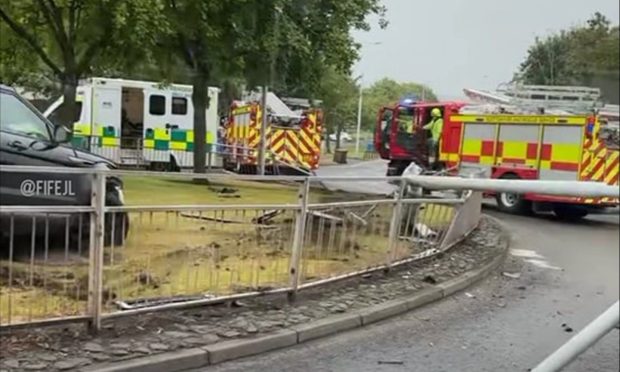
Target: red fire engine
{"type": "Point", "coordinates": [507, 145]}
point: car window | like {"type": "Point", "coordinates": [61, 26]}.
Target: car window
{"type": "Point", "coordinates": [16, 117]}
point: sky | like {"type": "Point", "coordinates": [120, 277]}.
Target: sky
{"type": "Point", "coordinates": [454, 44]}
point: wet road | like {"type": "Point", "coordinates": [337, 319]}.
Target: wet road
{"type": "Point", "coordinates": [568, 276]}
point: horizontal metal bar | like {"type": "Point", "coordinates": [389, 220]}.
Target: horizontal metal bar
{"type": "Point", "coordinates": [434, 201]}
{"type": "Point", "coordinates": [188, 304]}
{"type": "Point", "coordinates": [45, 322]}
{"type": "Point", "coordinates": [204, 207]}
{"type": "Point", "coordinates": [560, 188]}
{"type": "Point", "coordinates": [45, 209]}
{"type": "Point", "coordinates": [582, 341]}
{"type": "Point", "coordinates": [349, 204]}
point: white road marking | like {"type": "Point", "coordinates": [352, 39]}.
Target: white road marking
{"type": "Point", "coordinates": [534, 258]}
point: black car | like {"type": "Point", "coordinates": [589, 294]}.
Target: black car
{"type": "Point", "coordinates": [29, 139]}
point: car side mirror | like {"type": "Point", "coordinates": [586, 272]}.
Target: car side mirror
{"type": "Point", "coordinates": [62, 134]}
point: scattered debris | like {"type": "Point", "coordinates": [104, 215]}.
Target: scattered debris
{"type": "Point", "coordinates": [207, 218]}
{"type": "Point", "coordinates": [512, 275]}
{"type": "Point", "coordinates": [423, 231]}
{"type": "Point", "coordinates": [567, 329]}
{"type": "Point", "coordinates": [393, 362]}
{"type": "Point", "coordinates": [266, 217]}
{"type": "Point", "coordinates": [469, 295]}
{"type": "Point", "coordinates": [326, 216]}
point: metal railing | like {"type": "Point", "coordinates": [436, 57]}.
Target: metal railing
{"type": "Point", "coordinates": [66, 263]}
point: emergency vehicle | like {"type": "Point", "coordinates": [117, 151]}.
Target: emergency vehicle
{"type": "Point", "coordinates": [507, 143]}
{"type": "Point", "coordinates": [139, 123]}
{"type": "Point", "coordinates": [292, 140]}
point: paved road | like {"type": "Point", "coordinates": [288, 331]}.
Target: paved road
{"type": "Point", "coordinates": [569, 274]}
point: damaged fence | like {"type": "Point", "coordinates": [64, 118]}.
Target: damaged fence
{"type": "Point", "coordinates": [99, 259]}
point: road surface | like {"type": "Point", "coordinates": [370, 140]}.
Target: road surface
{"type": "Point", "coordinates": [568, 276]}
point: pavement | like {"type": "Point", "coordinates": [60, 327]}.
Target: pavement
{"type": "Point", "coordinates": [566, 275]}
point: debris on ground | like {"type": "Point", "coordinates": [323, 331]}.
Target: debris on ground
{"type": "Point", "coordinates": [566, 328]}
{"type": "Point", "coordinates": [511, 275]}
{"type": "Point", "coordinates": [470, 295]}
{"type": "Point", "coordinates": [393, 362]}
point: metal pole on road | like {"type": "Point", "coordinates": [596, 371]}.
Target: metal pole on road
{"type": "Point", "coordinates": [581, 341]}
{"type": "Point", "coordinates": [558, 188]}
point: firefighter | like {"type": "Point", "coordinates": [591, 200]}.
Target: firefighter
{"type": "Point", "coordinates": [435, 126]}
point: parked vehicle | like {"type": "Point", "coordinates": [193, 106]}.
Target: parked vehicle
{"type": "Point", "coordinates": [27, 138]}
{"type": "Point", "coordinates": [508, 143]}
{"type": "Point", "coordinates": [139, 123]}
{"type": "Point", "coordinates": [293, 141]}
{"type": "Point", "coordinates": [344, 136]}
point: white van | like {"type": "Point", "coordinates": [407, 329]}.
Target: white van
{"type": "Point", "coordinates": [139, 123]}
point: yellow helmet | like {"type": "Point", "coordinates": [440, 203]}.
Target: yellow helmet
{"type": "Point", "coordinates": [436, 113]}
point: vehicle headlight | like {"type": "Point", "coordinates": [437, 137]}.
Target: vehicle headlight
{"type": "Point", "coordinates": [121, 195]}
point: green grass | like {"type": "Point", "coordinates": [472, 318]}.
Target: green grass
{"type": "Point", "coordinates": [159, 191]}
{"type": "Point", "coordinates": [169, 254]}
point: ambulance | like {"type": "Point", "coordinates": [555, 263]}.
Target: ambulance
{"type": "Point", "coordinates": [139, 123]}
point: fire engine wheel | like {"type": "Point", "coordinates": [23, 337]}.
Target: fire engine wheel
{"type": "Point", "coordinates": [512, 203]}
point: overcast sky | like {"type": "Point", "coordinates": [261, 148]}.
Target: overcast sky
{"type": "Point", "coordinates": [454, 44]}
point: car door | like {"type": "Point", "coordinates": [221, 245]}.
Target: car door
{"type": "Point", "coordinates": [26, 140]}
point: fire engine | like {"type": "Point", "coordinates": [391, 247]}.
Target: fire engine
{"type": "Point", "coordinates": [292, 140]}
{"type": "Point", "coordinates": [506, 143]}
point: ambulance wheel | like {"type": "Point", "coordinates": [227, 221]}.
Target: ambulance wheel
{"type": "Point", "coordinates": [569, 213]}
{"type": "Point", "coordinates": [511, 202]}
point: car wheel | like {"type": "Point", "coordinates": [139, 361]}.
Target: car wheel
{"type": "Point", "coordinates": [511, 202]}
{"type": "Point", "coordinates": [117, 225]}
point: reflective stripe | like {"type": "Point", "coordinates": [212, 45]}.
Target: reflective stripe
{"type": "Point", "coordinates": [520, 119]}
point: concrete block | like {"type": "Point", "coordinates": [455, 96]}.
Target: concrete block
{"type": "Point", "coordinates": [327, 326]}
{"type": "Point", "coordinates": [173, 361]}
{"type": "Point", "coordinates": [383, 311]}
{"type": "Point", "coordinates": [235, 349]}
{"type": "Point", "coordinates": [425, 296]}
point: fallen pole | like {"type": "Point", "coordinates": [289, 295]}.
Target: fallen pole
{"type": "Point", "coordinates": [581, 342]}
{"type": "Point", "coordinates": [559, 188]}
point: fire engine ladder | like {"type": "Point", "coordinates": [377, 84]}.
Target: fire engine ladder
{"type": "Point", "coordinates": [573, 99]}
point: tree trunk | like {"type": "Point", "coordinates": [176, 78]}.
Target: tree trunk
{"type": "Point", "coordinates": [338, 133]}
{"type": "Point", "coordinates": [200, 100]}
{"type": "Point", "coordinates": [68, 111]}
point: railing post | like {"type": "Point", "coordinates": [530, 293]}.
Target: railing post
{"type": "Point", "coordinates": [395, 223]}
{"type": "Point", "coordinates": [96, 242]}
{"type": "Point", "coordinates": [298, 238]}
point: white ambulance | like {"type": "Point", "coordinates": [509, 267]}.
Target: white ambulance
{"type": "Point", "coordinates": [139, 123]}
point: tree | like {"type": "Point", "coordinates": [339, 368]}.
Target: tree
{"type": "Point", "coordinates": [71, 39]}
{"type": "Point", "coordinates": [585, 55]}
{"type": "Point", "coordinates": [282, 43]}
{"type": "Point", "coordinates": [339, 95]}
{"type": "Point", "coordinates": [388, 92]}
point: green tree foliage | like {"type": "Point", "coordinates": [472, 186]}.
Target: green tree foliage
{"type": "Point", "coordinates": [63, 41]}
{"type": "Point", "coordinates": [388, 92]}
{"type": "Point", "coordinates": [285, 44]}
{"type": "Point", "coordinates": [580, 56]}
{"type": "Point", "coordinates": [339, 94]}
